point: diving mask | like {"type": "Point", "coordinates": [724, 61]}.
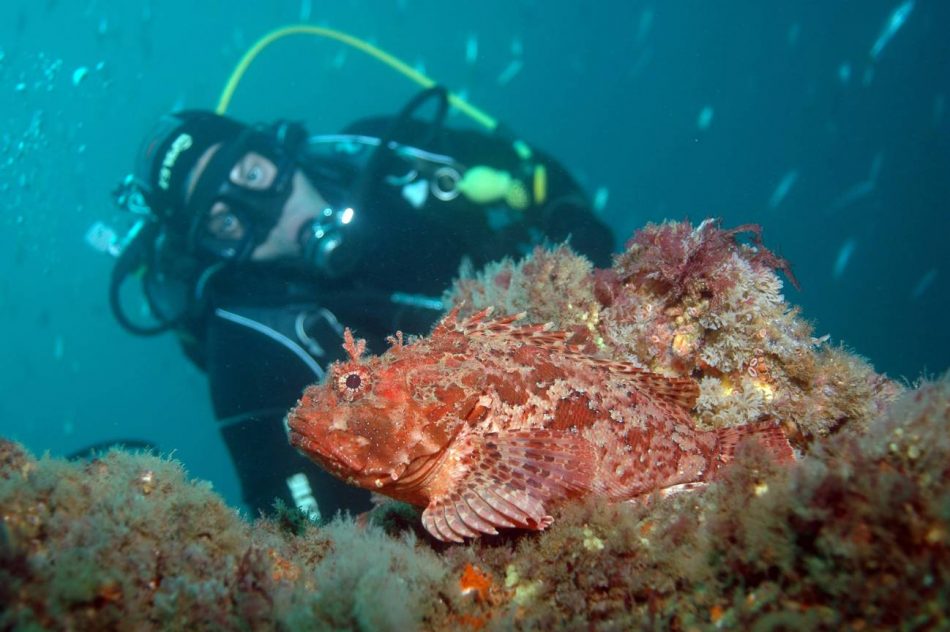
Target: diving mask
{"type": "Point", "coordinates": [240, 194]}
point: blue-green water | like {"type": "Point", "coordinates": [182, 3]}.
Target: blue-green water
{"type": "Point", "coordinates": [798, 116]}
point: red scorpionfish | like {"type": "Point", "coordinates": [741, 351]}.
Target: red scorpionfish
{"type": "Point", "coordinates": [488, 424]}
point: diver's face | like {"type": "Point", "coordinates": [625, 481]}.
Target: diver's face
{"type": "Point", "coordinates": [255, 172]}
{"type": "Point", "coordinates": [301, 208]}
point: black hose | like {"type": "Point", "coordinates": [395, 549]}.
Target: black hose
{"type": "Point", "coordinates": [369, 173]}
{"type": "Point", "coordinates": [132, 259]}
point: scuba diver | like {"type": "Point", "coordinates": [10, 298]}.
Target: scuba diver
{"type": "Point", "coordinates": [257, 244]}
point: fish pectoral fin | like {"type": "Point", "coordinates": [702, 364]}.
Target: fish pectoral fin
{"type": "Point", "coordinates": [511, 478]}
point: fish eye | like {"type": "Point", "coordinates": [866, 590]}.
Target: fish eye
{"type": "Point", "coordinates": [352, 383]}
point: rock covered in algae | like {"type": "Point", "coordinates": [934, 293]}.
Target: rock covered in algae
{"type": "Point", "coordinates": [695, 301]}
{"type": "Point", "coordinates": [126, 541]}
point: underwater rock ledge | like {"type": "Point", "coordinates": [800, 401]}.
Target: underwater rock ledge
{"type": "Point", "coordinates": [855, 534]}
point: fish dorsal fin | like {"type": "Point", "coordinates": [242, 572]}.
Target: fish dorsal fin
{"type": "Point", "coordinates": [512, 478]}
{"type": "Point", "coordinates": [536, 334]}
{"type": "Point", "coordinates": [679, 391]}
{"type": "Point", "coordinates": [450, 320]}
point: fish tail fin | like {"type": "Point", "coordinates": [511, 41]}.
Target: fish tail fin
{"type": "Point", "coordinates": [679, 391]}
{"type": "Point", "coordinates": [769, 435]}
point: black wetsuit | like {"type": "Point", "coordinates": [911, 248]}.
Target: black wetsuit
{"type": "Point", "coordinates": [269, 331]}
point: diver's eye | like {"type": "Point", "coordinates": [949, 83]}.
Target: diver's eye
{"type": "Point", "coordinates": [254, 174]}
{"type": "Point", "coordinates": [224, 224]}
{"type": "Point", "coordinates": [352, 383]}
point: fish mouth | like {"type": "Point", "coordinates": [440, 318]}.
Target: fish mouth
{"type": "Point", "coordinates": [349, 452]}
{"type": "Point", "coordinates": [297, 427]}
{"type": "Point", "coordinates": [335, 452]}
{"type": "Point", "coordinates": [304, 443]}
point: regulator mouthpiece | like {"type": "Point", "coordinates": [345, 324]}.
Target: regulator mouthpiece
{"type": "Point", "coordinates": [330, 242]}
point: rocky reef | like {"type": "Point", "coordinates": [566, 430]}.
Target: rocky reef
{"type": "Point", "coordinates": [854, 535]}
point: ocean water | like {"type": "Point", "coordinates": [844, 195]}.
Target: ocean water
{"type": "Point", "coordinates": [825, 122]}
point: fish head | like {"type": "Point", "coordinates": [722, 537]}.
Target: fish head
{"type": "Point", "coordinates": [374, 420]}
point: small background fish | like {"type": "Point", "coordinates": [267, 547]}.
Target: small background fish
{"type": "Point", "coordinates": [488, 425]}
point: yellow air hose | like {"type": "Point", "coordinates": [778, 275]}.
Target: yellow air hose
{"type": "Point", "coordinates": [515, 193]}
{"type": "Point", "coordinates": [393, 62]}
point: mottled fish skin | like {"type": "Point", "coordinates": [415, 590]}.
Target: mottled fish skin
{"type": "Point", "coordinates": [488, 425]}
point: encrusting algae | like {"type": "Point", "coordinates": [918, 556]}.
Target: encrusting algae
{"type": "Point", "coordinates": [855, 534]}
